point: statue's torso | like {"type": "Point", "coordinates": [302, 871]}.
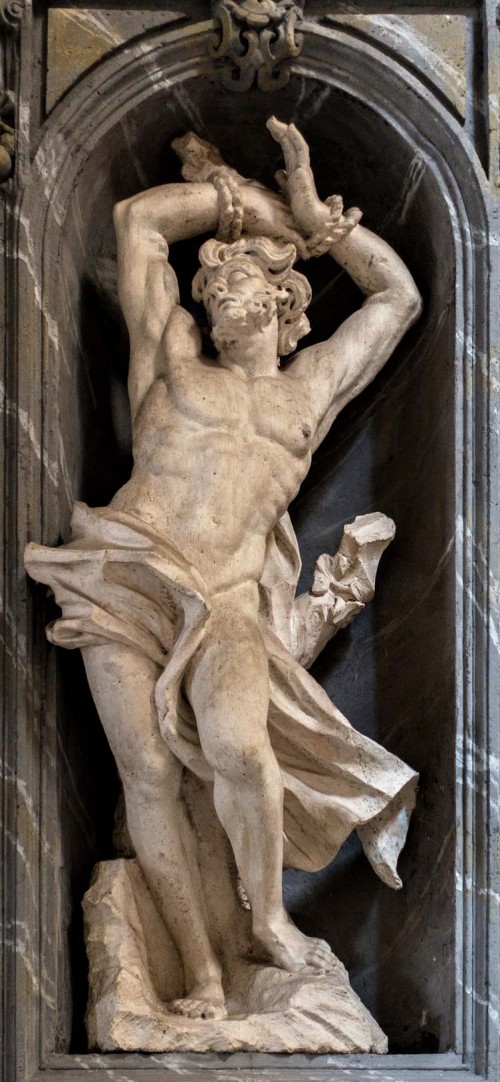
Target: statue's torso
{"type": "Point", "coordinates": [217, 459]}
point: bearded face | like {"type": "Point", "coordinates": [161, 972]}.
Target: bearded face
{"type": "Point", "coordinates": [239, 301]}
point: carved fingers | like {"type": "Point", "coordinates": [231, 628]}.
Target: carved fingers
{"type": "Point", "coordinates": [323, 224]}
{"type": "Point", "coordinates": [298, 182]}
{"type": "Point", "coordinates": [292, 142]}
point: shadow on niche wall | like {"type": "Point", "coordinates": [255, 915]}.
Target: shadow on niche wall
{"type": "Point", "coordinates": [391, 451]}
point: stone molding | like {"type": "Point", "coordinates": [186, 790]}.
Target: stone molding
{"type": "Point", "coordinates": [76, 127]}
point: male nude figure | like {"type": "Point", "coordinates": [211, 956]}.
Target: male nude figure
{"type": "Point", "coordinates": [220, 450]}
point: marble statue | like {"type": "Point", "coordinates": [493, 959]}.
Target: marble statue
{"type": "Point", "coordinates": [181, 596]}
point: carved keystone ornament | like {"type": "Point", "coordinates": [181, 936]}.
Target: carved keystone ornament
{"type": "Point", "coordinates": [257, 40]}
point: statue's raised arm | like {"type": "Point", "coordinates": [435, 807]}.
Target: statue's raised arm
{"type": "Point", "coordinates": [338, 369]}
{"type": "Point", "coordinates": [146, 225]}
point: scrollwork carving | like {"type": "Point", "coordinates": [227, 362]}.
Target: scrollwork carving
{"type": "Point", "coordinates": [257, 40]}
{"type": "Point", "coordinates": [11, 13]}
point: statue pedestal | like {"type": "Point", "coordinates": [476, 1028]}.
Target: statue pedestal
{"type": "Point", "coordinates": [269, 1010]}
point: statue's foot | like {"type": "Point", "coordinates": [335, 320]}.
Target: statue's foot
{"type": "Point", "coordinates": [203, 1001]}
{"type": "Point", "coordinates": [294, 951]}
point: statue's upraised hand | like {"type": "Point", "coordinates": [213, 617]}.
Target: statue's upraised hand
{"type": "Point", "coordinates": [322, 224]}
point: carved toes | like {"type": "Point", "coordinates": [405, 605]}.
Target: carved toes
{"type": "Point", "coordinates": [320, 956]}
{"type": "Point", "coordinates": [197, 1008]}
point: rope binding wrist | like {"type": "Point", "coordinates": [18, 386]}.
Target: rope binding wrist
{"type": "Point", "coordinates": [230, 204]}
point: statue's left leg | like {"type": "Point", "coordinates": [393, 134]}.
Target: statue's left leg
{"type": "Point", "coordinates": [122, 682]}
{"type": "Point", "coordinates": [228, 687]}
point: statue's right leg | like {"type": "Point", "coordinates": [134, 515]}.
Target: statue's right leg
{"type": "Point", "coordinates": [227, 684]}
{"type": "Point", "coordinates": [122, 682]}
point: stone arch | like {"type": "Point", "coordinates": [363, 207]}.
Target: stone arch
{"type": "Point", "coordinates": [97, 127]}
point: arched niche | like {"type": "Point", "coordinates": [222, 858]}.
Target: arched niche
{"type": "Point", "coordinates": [405, 447]}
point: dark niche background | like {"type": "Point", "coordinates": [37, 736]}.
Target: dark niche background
{"type": "Point", "coordinates": [392, 450]}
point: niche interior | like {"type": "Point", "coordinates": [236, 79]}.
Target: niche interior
{"type": "Point", "coordinates": [393, 450]}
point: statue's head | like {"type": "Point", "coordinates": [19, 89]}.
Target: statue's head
{"type": "Point", "coordinates": [250, 285]}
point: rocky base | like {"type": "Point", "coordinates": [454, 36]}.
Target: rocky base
{"type": "Point", "coordinates": [269, 1010]}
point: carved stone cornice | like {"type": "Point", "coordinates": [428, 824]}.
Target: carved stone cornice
{"type": "Point", "coordinates": [257, 40]}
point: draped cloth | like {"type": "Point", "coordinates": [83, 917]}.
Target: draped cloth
{"type": "Point", "coordinates": [118, 580]}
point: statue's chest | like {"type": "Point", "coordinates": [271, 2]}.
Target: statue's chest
{"type": "Point", "coordinates": [282, 414]}
{"type": "Point", "coordinates": [207, 398]}
{"type": "Point", "coordinates": [266, 408]}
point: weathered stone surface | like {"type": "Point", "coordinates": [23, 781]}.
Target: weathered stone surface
{"type": "Point", "coordinates": [78, 37]}
{"type": "Point", "coordinates": [268, 1010]}
{"type": "Point", "coordinates": [433, 44]}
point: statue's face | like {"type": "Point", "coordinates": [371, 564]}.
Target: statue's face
{"type": "Point", "coordinates": [239, 301]}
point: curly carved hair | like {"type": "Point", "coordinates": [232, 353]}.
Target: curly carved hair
{"type": "Point", "coordinates": [293, 292]}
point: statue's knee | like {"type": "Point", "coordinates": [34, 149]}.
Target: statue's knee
{"type": "Point", "coordinates": [152, 775]}
{"type": "Point", "coordinates": [250, 760]}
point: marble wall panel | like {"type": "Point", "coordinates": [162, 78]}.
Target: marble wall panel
{"type": "Point", "coordinates": [436, 45]}
{"type": "Point", "coordinates": [78, 37]}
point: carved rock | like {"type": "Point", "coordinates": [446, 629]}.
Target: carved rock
{"type": "Point", "coordinates": [268, 1010]}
